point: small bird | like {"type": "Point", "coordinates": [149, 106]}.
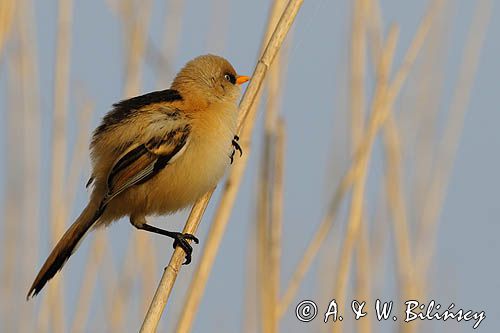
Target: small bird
{"type": "Point", "coordinates": [158, 153]}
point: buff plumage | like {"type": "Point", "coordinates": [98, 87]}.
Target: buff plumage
{"type": "Point", "coordinates": [156, 154]}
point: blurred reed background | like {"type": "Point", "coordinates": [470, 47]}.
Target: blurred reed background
{"type": "Point", "coordinates": [365, 167]}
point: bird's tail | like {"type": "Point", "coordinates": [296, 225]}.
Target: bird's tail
{"type": "Point", "coordinates": [66, 246]}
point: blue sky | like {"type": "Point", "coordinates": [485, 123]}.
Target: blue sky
{"type": "Point", "coordinates": [314, 106]}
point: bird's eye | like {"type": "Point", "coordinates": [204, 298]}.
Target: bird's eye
{"type": "Point", "coordinates": [230, 77]}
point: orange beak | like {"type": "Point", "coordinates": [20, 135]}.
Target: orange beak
{"type": "Point", "coordinates": [240, 79]}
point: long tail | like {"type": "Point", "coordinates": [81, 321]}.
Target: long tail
{"type": "Point", "coordinates": [66, 246]}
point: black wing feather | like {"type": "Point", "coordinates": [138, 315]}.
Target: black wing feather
{"type": "Point", "coordinates": [145, 161]}
{"type": "Point", "coordinates": [126, 161]}
{"type": "Point", "coordinates": [125, 108]}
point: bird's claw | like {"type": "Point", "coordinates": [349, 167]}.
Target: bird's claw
{"type": "Point", "coordinates": [236, 147]}
{"type": "Point", "coordinates": [181, 240]}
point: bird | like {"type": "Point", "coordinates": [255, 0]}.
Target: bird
{"type": "Point", "coordinates": [156, 154]}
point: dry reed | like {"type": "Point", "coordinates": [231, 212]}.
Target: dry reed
{"type": "Point", "coordinates": [247, 108]}
{"type": "Point", "coordinates": [267, 274]}
{"type": "Point", "coordinates": [380, 107]}
{"type": "Point", "coordinates": [359, 246]}
{"type": "Point", "coordinates": [58, 204]}
{"type": "Point", "coordinates": [269, 205]}
{"type": "Point", "coordinates": [7, 14]}
{"type": "Point", "coordinates": [170, 273]}
{"type": "Point", "coordinates": [394, 190]}
{"type": "Point", "coordinates": [350, 175]}
{"type": "Point", "coordinates": [448, 146]}
{"type": "Point", "coordinates": [135, 17]}
{"type": "Point", "coordinates": [276, 222]}
{"type": "Point", "coordinates": [393, 185]}
{"type": "Point", "coordinates": [11, 230]}
{"type": "Point", "coordinates": [221, 217]}
{"type": "Point", "coordinates": [357, 114]}
{"type": "Point", "coordinates": [31, 119]}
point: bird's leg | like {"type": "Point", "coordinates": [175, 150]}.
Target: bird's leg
{"type": "Point", "coordinates": [236, 147]}
{"type": "Point", "coordinates": [180, 239]}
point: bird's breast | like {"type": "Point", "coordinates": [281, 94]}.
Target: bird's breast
{"type": "Point", "coordinates": [199, 168]}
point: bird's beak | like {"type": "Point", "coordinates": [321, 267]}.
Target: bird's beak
{"type": "Point", "coordinates": [240, 79]}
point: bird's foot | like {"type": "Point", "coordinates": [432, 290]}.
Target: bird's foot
{"type": "Point", "coordinates": [181, 240]}
{"type": "Point", "coordinates": [236, 147]}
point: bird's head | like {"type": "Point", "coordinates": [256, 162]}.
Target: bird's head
{"type": "Point", "coordinates": [209, 79]}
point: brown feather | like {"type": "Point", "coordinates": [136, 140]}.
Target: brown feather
{"type": "Point", "coordinates": [65, 247]}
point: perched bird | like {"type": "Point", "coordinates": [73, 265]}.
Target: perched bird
{"type": "Point", "coordinates": [156, 154]}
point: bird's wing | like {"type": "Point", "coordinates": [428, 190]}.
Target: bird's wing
{"type": "Point", "coordinates": [141, 162]}
{"type": "Point", "coordinates": [128, 109]}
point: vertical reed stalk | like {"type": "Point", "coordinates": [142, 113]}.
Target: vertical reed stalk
{"type": "Point", "coordinates": [221, 217]}
{"type": "Point", "coordinates": [397, 208]}
{"type": "Point", "coordinates": [276, 225]}
{"type": "Point", "coordinates": [358, 67]}
{"type": "Point", "coordinates": [7, 18]}
{"type": "Point", "coordinates": [268, 224]}
{"type": "Point", "coordinates": [247, 109]}
{"type": "Point", "coordinates": [264, 199]}
{"type": "Point", "coordinates": [78, 157]}
{"type": "Point", "coordinates": [447, 148]}
{"type": "Point", "coordinates": [89, 283]}
{"type": "Point", "coordinates": [357, 106]}
{"type": "Point", "coordinates": [14, 189]}
{"type": "Point", "coordinates": [349, 176]}
{"type": "Point", "coordinates": [250, 320]}
{"type": "Point", "coordinates": [7, 13]}
{"type": "Point", "coordinates": [393, 187]}
{"type": "Point", "coordinates": [135, 17]}
{"type": "Point", "coordinates": [262, 225]}
{"type": "Point", "coordinates": [172, 270]}
{"type": "Point", "coordinates": [379, 106]}
{"type": "Point", "coordinates": [77, 161]}
{"type": "Point", "coordinates": [135, 21]}
{"type": "Point", "coordinates": [59, 145]}
{"type": "Point", "coordinates": [31, 160]}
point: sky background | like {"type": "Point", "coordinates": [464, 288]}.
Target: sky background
{"type": "Point", "coordinates": [465, 270]}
